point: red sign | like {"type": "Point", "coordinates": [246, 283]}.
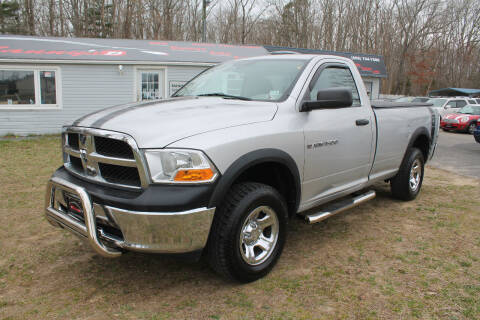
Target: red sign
{"type": "Point", "coordinates": [73, 53]}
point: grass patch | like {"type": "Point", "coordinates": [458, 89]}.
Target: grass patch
{"type": "Point", "coordinates": [386, 259]}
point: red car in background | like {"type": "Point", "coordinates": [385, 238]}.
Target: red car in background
{"type": "Point", "coordinates": [464, 119]}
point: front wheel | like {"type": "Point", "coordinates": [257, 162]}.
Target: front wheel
{"type": "Point", "coordinates": [408, 181]}
{"type": "Point", "coordinates": [248, 232]}
{"type": "Point", "coordinates": [471, 127]}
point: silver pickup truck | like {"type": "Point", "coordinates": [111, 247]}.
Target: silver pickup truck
{"type": "Point", "coordinates": [218, 169]}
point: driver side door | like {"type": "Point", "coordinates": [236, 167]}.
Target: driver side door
{"type": "Point", "coordinates": [339, 141]}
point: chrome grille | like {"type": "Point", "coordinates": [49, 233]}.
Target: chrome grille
{"type": "Point", "coordinates": [113, 148]}
{"type": "Point", "coordinates": [72, 140]}
{"type": "Point", "coordinates": [103, 156]}
{"type": "Point", "coordinates": [119, 174]}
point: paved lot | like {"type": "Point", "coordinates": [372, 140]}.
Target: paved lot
{"type": "Point", "coordinates": [457, 152]}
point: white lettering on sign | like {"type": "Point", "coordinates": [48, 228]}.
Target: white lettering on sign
{"type": "Point", "coordinates": [358, 58]}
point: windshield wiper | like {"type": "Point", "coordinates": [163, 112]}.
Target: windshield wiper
{"type": "Point", "coordinates": [223, 95]}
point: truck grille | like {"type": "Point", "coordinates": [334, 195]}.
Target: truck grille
{"type": "Point", "coordinates": [102, 156]}
{"type": "Point", "coordinates": [113, 148]}
{"type": "Point", "coordinates": [73, 141]}
{"type": "Point", "coordinates": [119, 174]}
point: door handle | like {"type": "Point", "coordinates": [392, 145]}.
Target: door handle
{"type": "Point", "coordinates": [362, 122]}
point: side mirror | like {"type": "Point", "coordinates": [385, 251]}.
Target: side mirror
{"type": "Point", "coordinates": [447, 107]}
{"type": "Point", "coordinates": [329, 98]}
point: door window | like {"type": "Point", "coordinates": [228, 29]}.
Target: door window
{"type": "Point", "coordinates": [451, 104]}
{"type": "Point", "coordinates": [334, 77]}
{"type": "Point", "coordinates": [461, 103]}
{"type": "Point", "coordinates": [151, 84]}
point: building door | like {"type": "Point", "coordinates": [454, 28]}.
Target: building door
{"type": "Point", "coordinates": [151, 84]}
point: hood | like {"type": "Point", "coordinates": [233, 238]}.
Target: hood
{"type": "Point", "coordinates": [456, 116]}
{"type": "Point", "coordinates": [450, 116]}
{"type": "Point", "coordinates": [157, 124]}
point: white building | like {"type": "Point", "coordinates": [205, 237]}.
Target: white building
{"type": "Point", "coordinates": [46, 83]}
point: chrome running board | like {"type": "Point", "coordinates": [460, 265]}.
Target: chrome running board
{"type": "Point", "coordinates": [338, 207]}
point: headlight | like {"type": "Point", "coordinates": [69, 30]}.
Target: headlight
{"type": "Point", "coordinates": [179, 166]}
{"type": "Point", "coordinates": [464, 119]}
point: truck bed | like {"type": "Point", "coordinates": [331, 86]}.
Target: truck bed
{"type": "Point", "coordinates": [395, 126]}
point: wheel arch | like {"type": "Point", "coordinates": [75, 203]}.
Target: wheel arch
{"type": "Point", "coordinates": [474, 121]}
{"type": "Point", "coordinates": [273, 167]}
{"type": "Point", "coordinates": [422, 140]}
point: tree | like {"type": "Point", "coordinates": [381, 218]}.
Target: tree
{"type": "Point", "coordinates": [10, 18]}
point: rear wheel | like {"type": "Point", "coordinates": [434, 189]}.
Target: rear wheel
{"type": "Point", "coordinates": [248, 232]}
{"type": "Point", "coordinates": [408, 181]}
{"type": "Point", "coordinates": [471, 127]}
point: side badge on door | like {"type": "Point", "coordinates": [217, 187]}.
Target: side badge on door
{"type": "Point", "coordinates": [322, 144]}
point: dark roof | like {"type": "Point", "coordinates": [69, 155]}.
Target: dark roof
{"type": "Point", "coordinates": [126, 50]}
{"type": "Point", "coordinates": [451, 92]}
{"type": "Point", "coordinates": [369, 65]}
{"type": "Point", "coordinates": [94, 49]}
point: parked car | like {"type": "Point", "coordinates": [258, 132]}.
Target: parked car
{"type": "Point", "coordinates": [223, 164]}
{"type": "Point", "coordinates": [420, 99]}
{"type": "Point", "coordinates": [412, 99]}
{"type": "Point", "coordinates": [476, 133]}
{"type": "Point", "coordinates": [450, 104]}
{"type": "Point", "coordinates": [404, 99]}
{"type": "Point", "coordinates": [465, 119]}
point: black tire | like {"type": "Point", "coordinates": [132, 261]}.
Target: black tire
{"type": "Point", "coordinates": [400, 185]}
{"type": "Point", "coordinates": [471, 127]}
{"type": "Point", "coordinates": [224, 244]}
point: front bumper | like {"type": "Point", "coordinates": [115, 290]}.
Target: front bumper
{"type": "Point", "coordinates": [453, 126]}
{"type": "Point", "coordinates": [110, 230]}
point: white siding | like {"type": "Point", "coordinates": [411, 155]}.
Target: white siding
{"type": "Point", "coordinates": [85, 88]}
{"type": "Point", "coordinates": [375, 86]}
{"type": "Point", "coordinates": [181, 74]}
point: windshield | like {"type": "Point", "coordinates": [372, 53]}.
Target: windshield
{"type": "Point", "coordinates": [437, 102]}
{"type": "Point", "coordinates": [470, 110]}
{"type": "Point", "coordinates": [267, 80]}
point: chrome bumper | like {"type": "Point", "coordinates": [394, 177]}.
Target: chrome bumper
{"type": "Point", "coordinates": [156, 232]}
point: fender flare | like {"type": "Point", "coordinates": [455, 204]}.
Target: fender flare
{"type": "Point", "coordinates": [249, 160]}
{"type": "Point", "coordinates": [422, 131]}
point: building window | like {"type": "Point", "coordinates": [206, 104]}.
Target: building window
{"type": "Point", "coordinates": [24, 88]}
{"type": "Point", "coordinates": [48, 92]}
